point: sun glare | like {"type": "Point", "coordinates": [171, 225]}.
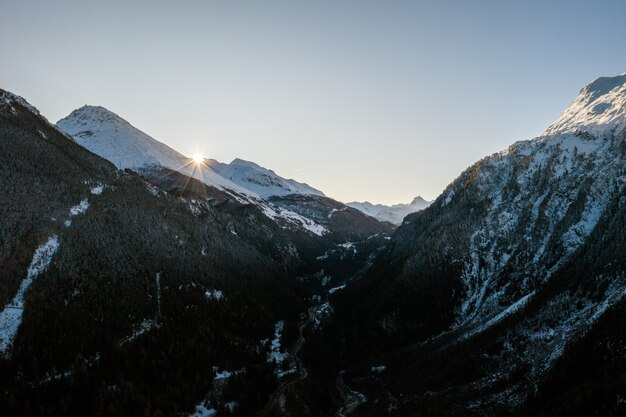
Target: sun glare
{"type": "Point", "coordinates": [198, 158]}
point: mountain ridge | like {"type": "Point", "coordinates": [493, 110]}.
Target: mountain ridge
{"type": "Point", "coordinates": [394, 213]}
{"type": "Point", "coordinates": [487, 267]}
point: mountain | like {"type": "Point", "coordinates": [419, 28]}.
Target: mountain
{"type": "Point", "coordinates": [262, 181]}
{"type": "Point", "coordinates": [113, 138]}
{"type": "Point", "coordinates": [505, 272]}
{"type": "Point", "coordinates": [154, 297]}
{"type": "Point", "coordinates": [393, 214]}
{"type": "Point", "coordinates": [166, 289]}
{"type": "Point", "coordinates": [175, 295]}
{"type": "Point", "coordinates": [110, 136]}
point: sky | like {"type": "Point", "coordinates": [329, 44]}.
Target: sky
{"type": "Point", "coordinates": [366, 100]}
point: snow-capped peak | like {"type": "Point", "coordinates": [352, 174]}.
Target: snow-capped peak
{"type": "Point", "coordinates": [110, 136]}
{"type": "Point", "coordinates": [393, 214]}
{"type": "Point", "coordinates": [599, 108]}
{"type": "Point", "coordinates": [263, 181]}
{"type": "Point", "coordinates": [419, 200]}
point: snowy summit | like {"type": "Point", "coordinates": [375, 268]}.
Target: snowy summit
{"type": "Point", "coordinates": [599, 108]}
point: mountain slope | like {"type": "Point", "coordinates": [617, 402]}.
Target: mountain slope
{"type": "Point", "coordinates": [487, 267]}
{"type": "Point", "coordinates": [113, 138]}
{"type": "Point", "coordinates": [108, 135]}
{"type": "Point", "coordinates": [262, 181]}
{"type": "Point", "coordinates": [393, 214]}
{"type": "Point", "coordinates": [152, 297]}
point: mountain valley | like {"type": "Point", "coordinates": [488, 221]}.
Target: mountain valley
{"type": "Point", "coordinates": [137, 281]}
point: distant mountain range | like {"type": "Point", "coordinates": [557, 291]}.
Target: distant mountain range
{"type": "Point", "coordinates": [393, 214]}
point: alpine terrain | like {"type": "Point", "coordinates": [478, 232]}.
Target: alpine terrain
{"type": "Point", "coordinates": [135, 280]}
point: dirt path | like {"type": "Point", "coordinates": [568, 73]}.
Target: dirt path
{"type": "Point", "coordinates": [351, 399]}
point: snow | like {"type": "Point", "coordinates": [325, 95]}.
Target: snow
{"type": "Point", "coordinates": [510, 310]}
{"type": "Point", "coordinates": [9, 99]}
{"type": "Point", "coordinates": [580, 167]}
{"type": "Point", "coordinates": [203, 411]}
{"type": "Point", "coordinates": [214, 295]}
{"type": "Point", "coordinates": [223, 375]}
{"type": "Point", "coordinates": [144, 327]}
{"type": "Point", "coordinates": [97, 190]}
{"type": "Point", "coordinates": [393, 214]}
{"type": "Point", "coordinates": [194, 206]}
{"type": "Point", "coordinates": [600, 108]}
{"type": "Point", "coordinates": [348, 246]}
{"type": "Point", "coordinates": [11, 316]}
{"type": "Point", "coordinates": [275, 355]}
{"type": "Point", "coordinates": [292, 219]}
{"type": "Point", "coordinates": [226, 375]}
{"type": "Point", "coordinates": [544, 198]}
{"type": "Point", "coordinates": [262, 181]}
{"type": "Point", "coordinates": [378, 369]}
{"type": "Point", "coordinates": [448, 198]}
{"type": "Point", "coordinates": [79, 208]}
{"type": "Point", "coordinates": [335, 289]}
{"type": "Point", "coordinates": [111, 137]}
{"type": "Point", "coordinates": [152, 189]}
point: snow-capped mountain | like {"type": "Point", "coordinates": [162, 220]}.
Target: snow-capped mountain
{"type": "Point", "coordinates": [599, 109]}
{"type": "Point", "coordinates": [393, 214]}
{"type": "Point", "coordinates": [504, 244]}
{"type": "Point", "coordinates": [505, 296]}
{"type": "Point", "coordinates": [264, 182]}
{"type": "Point", "coordinates": [115, 260]}
{"type": "Point", "coordinates": [110, 136]}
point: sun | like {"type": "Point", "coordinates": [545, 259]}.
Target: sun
{"type": "Point", "coordinates": [198, 158]}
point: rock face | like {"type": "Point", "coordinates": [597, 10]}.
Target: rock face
{"type": "Point", "coordinates": [493, 256]}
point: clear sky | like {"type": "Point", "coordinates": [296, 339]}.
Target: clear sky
{"type": "Point", "coordinates": [365, 100]}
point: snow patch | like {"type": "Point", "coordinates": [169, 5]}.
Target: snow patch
{"type": "Point", "coordinates": [275, 355]}
{"type": "Point", "coordinates": [97, 190]}
{"type": "Point", "coordinates": [216, 295]}
{"type": "Point", "coordinates": [203, 411]}
{"type": "Point", "coordinates": [11, 316]}
{"type": "Point", "coordinates": [291, 218]}
{"type": "Point", "coordinates": [335, 289]}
